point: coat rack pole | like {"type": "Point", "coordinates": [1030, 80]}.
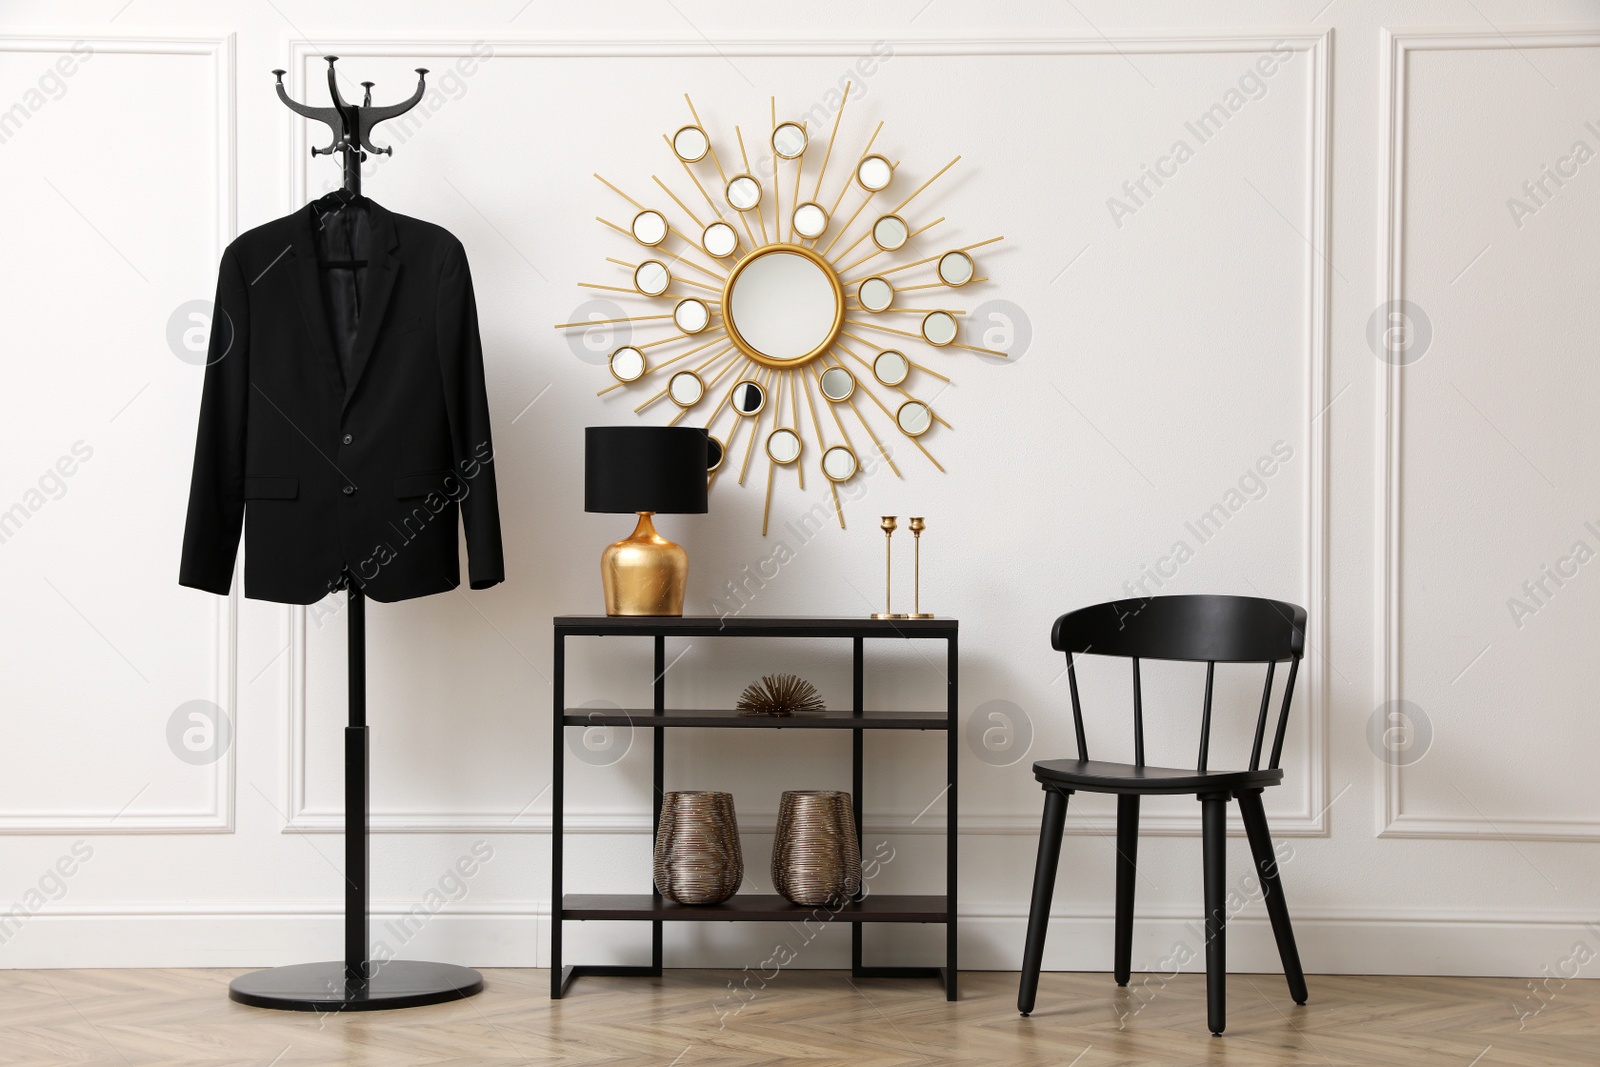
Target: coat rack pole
{"type": "Point", "coordinates": [357, 796]}
{"type": "Point", "coordinates": [356, 983]}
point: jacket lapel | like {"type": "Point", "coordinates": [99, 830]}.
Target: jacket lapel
{"type": "Point", "coordinates": [383, 267]}
{"type": "Point", "coordinates": [308, 291]}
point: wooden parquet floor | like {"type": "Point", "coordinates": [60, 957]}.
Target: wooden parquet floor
{"type": "Point", "coordinates": [175, 1018]}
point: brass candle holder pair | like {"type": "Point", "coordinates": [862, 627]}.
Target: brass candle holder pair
{"type": "Point", "coordinates": [889, 525]}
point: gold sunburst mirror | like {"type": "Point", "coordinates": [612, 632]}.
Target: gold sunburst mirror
{"type": "Point", "coordinates": [788, 318]}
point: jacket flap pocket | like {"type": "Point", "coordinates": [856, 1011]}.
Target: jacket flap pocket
{"type": "Point", "coordinates": [408, 485]}
{"type": "Point", "coordinates": [271, 488]}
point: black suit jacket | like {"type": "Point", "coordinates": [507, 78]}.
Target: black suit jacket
{"type": "Point", "coordinates": [333, 469]}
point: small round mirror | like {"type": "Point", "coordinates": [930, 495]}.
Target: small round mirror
{"type": "Point", "coordinates": [839, 464]}
{"type": "Point", "coordinates": [783, 446]}
{"type": "Point", "coordinates": [686, 388]}
{"type": "Point", "coordinates": [810, 220]}
{"type": "Point", "coordinates": [691, 315]}
{"type": "Point", "coordinates": [651, 278]}
{"type": "Point", "coordinates": [914, 418]}
{"type": "Point", "coordinates": [691, 144]}
{"type": "Point", "coordinates": [715, 451]}
{"type": "Point", "coordinates": [874, 173]}
{"type": "Point", "coordinates": [789, 140]}
{"type": "Point", "coordinates": [875, 294]}
{"type": "Point", "coordinates": [890, 232]}
{"type": "Point", "coordinates": [719, 240]}
{"type": "Point", "coordinates": [748, 397]}
{"type": "Point", "coordinates": [939, 328]}
{"type": "Point", "coordinates": [649, 228]}
{"type": "Point", "coordinates": [956, 268]}
{"type": "Point", "coordinates": [838, 384]}
{"type": "Point", "coordinates": [627, 364]}
{"type": "Point", "coordinates": [744, 193]}
{"type": "Point", "coordinates": [891, 367]}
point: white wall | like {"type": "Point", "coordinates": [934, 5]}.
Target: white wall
{"type": "Point", "coordinates": [1171, 347]}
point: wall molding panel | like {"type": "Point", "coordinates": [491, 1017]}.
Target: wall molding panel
{"type": "Point", "coordinates": [1392, 820]}
{"type": "Point", "coordinates": [218, 815]}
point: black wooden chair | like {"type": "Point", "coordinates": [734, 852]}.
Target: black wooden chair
{"type": "Point", "coordinates": [1215, 629]}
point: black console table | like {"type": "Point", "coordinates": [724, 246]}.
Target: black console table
{"type": "Point", "coordinates": [651, 907]}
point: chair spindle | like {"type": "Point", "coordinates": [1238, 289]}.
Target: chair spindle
{"type": "Point", "coordinates": [1261, 720]}
{"type": "Point", "coordinates": [1077, 709]}
{"type": "Point", "coordinates": [1138, 716]}
{"type": "Point", "coordinates": [1283, 715]}
{"type": "Point", "coordinates": [1205, 717]}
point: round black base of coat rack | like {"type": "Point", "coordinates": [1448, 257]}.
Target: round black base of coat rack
{"type": "Point", "coordinates": [323, 987]}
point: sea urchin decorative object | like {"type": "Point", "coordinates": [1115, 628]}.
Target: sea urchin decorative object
{"type": "Point", "coordinates": [780, 694]}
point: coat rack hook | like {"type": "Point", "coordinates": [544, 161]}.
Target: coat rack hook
{"type": "Point", "coordinates": [351, 124]}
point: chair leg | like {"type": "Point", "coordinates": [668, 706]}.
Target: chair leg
{"type": "Point", "coordinates": [1127, 871]}
{"type": "Point", "coordinates": [1044, 887]}
{"type": "Point", "coordinates": [1214, 831]}
{"type": "Point", "coordinates": [1255, 827]}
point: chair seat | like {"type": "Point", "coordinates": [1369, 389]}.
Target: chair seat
{"type": "Point", "coordinates": [1098, 776]}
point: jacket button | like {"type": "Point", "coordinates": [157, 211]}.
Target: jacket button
{"type": "Point", "coordinates": [349, 438]}
{"type": "Point", "coordinates": [349, 490]}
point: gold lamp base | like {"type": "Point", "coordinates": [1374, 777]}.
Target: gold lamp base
{"type": "Point", "coordinates": [645, 574]}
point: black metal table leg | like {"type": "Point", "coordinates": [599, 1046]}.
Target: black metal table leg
{"type": "Point", "coordinates": [659, 770]}
{"type": "Point", "coordinates": [953, 712]}
{"type": "Point", "coordinates": [857, 760]}
{"type": "Point", "coordinates": [558, 763]}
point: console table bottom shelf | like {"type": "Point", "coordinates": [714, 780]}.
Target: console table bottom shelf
{"type": "Point", "coordinates": [753, 907]}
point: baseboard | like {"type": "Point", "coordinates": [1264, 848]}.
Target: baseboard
{"type": "Point", "coordinates": [516, 934]}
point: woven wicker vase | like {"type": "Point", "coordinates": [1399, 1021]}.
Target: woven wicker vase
{"type": "Point", "coordinates": [697, 848]}
{"type": "Point", "coordinates": [816, 858]}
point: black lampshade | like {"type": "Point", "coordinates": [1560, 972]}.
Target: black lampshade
{"type": "Point", "coordinates": [645, 468]}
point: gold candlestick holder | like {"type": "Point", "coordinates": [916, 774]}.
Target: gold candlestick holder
{"type": "Point", "coordinates": [888, 526]}
{"type": "Point", "coordinates": [917, 526]}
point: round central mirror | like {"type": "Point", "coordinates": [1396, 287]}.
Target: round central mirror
{"type": "Point", "coordinates": [783, 306]}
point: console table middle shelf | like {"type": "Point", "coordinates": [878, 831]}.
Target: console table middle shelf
{"type": "Point", "coordinates": [752, 907]}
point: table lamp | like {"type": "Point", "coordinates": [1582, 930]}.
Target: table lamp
{"type": "Point", "coordinates": [649, 470]}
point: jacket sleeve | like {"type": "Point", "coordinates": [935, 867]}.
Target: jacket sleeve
{"type": "Point", "coordinates": [216, 490]}
{"type": "Point", "coordinates": [467, 406]}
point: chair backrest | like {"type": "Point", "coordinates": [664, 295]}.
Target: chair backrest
{"type": "Point", "coordinates": [1209, 629]}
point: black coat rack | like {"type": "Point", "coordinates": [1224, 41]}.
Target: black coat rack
{"type": "Point", "coordinates": [357, 983]}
